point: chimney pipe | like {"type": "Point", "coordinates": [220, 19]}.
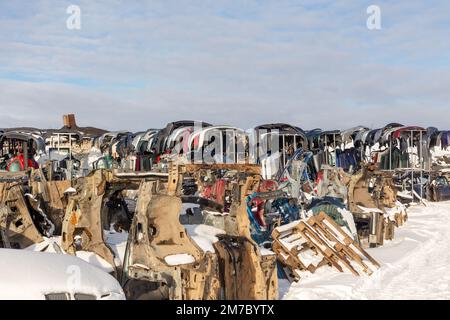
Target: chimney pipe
{"type": "Point", "coordinates": [69, 121]}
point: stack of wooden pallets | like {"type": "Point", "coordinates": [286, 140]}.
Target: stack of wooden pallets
{"type": "Point", "coordinates": [306, 245]}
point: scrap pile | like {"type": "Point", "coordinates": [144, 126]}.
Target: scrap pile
{"type": "Point", "coordinates": [197, 212]}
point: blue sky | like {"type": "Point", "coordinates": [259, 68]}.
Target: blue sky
{"type": "Point", "coordinates": [140, 64]}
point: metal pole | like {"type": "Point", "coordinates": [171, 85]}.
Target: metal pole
{"type": "Point", "coordinates": [390, 151]}
{"type": "Point", "coordinates": [400, 162]}
{"type": "Point", "coordinates": [235, 147]}
{"type": "Point", "coordinates": [50, 149]}
{"type": "Point", "coordinates": [411, 166]}
{"type": "Point", "coordinates": [362, 148]}
{"type": "Point", "coordinates": [335, 151]}
{"type": "Point", "coordinates": [25, 154]}
{"type": "Point", "coordinates": [421, 164]}
{"type": "Point", "coordinates": [70, 146]}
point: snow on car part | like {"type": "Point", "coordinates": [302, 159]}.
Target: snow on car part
{"type": "Point", "coordinates": [52, 276]}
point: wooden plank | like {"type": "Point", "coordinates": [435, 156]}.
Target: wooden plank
{"type": "Point", "coordinates": [354, 243]}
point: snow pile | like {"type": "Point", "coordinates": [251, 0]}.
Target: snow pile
{"type": "Point", "coordinates": [204, 235]}
{"type": "Point", "coordinates": [179, 259]}
{"type": "Point", "coordinates": [438, 155]}
{"type": "Point", "coordinates": [71, 190]}
{"type": "Point", "coordinates": [266, 252]}
{"type": "Point", "coordinates": [31, 275]}
{"type": "Point", "coordinates": [50, 245]}
{"type": "Point", "coordinates": [95, 260]}
{"type": "Point", "coordinates": [117, 241]}
{"type": "Point", "coordinates": [399, 208]}
{"type": "Point", "coordinates": [415, 265]}
{"type": "Point", "coordinates": [348, 217]}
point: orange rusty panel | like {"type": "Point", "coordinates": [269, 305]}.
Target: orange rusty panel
{"type": "Point", "coordinates": [56, 192]}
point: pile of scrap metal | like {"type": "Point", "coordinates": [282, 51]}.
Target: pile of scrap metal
{"type": "Point", "coordinates": [246, 269]}
{"type": "Point", "coordinates": [221, 186]}
{"type": "Point", "coordinates": [32, 207]}
{"type": "Point", "coordinates": [69, 149]}
{"type": "Point", "coordinates": [20, 148]}
{"type": "Point", "coordinates": [439, 144]}
{"type": "Point", "coordinates": [391, 147]}
{"type": "Point", "coordinates": [309, 200]}
{"type": "Point", "coordinates": [439, 186]}
{"type": "Point", "coordinates": [341, 213]}
{"type": "Point", "coordinates": [218, 145]}
{"type": "Point", "coordinates": [278, 142]}
{"type": "Point", "coordinates": [433, 185]}
{"type": "Point", "coordinates": [372, 199]}
{"type": "Point", "coordinates": [64, 152]}
{"type": "Point", "coordinates": [161, 260]}
{"type": "Point", "coordinates": [294, 227]}
{"type": "Point", "coordinates": [22, 222]}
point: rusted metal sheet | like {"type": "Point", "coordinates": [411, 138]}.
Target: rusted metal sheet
{"type": "Point", "coordinates": [82, 227]}
{"type": "Point", "coordinates": [155, 236]}
{"type": "Point", "coordinates": [18, 228]}
{"type": "Point", "coordinates": [245, 274]}
{"type": "Point", "coordinates": [52, 193]}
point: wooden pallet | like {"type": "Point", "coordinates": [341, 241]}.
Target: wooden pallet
{"type": "Point", "coordinates": [321, 239]}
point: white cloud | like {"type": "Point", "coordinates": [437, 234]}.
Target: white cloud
{"type": "Point", "coordinates": [310, 63]}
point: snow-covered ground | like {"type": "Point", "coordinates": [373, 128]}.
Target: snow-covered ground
{"type": "Point", "coordinates": [415, 265]}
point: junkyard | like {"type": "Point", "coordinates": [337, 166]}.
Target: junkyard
{"type": "Point", "coordinates": [220, 158]}
{"type": "Point", "coordinates": [196, 211]}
